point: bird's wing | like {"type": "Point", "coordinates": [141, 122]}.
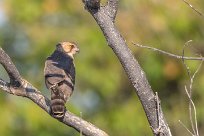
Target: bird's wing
{"type": "Point", "coordinates": [70, 72]}
{"type": "Point", "coordinates": [53, 74]}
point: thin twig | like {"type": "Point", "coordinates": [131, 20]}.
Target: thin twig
{"type": "Point", "coordinates": [169, 54]}
{"type": "Point", "coordinates": [190, 87]}
{"type": "Point", "coordinates": [186, 127]}
{"type": "Point", "coordinates": [183, 59]}
{"type": "Point", "coordinates": [195, 128]}
{"type": "Point", "coordinates": [197, 11]}
{"type": "Point", "coordinates": [194, 123]}
{"type": "Point", "coordinates": [194, 108]}
{"type": "Point", "coordinates": [189, 94]}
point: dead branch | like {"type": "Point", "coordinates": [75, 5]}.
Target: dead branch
{"type": "Point", "coordinates": [193, 119]}
{"type": "Point", "coordinates": [105, 19]}
{"type": "Point", "coordinates": [14, 75]}
{"type": "Point", "coordinates": [20, 87]}
{"type": "Point", "coordinates": [168, 53]}
{"type": "Point", "coordinates": [192, 7]}
{"type": "Point", "coordinates": [192, 113]}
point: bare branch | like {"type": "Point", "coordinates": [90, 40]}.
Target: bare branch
{"type": "Point", "coordinates": [186, 127]}
{"type": "Point", "coordinates": [183, 60]}
{"type": "Point", "coordinates": [169, 54]}
{"type": "Point", "coordinates": [131, 66]}
{"type": "Point", "coordinates": [189, 93]}
{"type": "Point", "coordinates": [27, 90]}
{"type": "Point", "coordinates": [194, 127]}
{"type": "Point", "coordinates": [113, 7]}
{"type": "Point", "coordinates": [14, 75]}
{"type": "Point", "coordinates": [197, 11]}
{"type": "Point", "coordinates": [194, 123]}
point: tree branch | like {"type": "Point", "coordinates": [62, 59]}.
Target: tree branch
{"type": "Point", "coordinates": [189, 90]}
{"type": "Point", "coordinates": [14, 75]}
{"type": "Point", "coordinates": [131, 67]}
{"type": "Point", "coordinates": [113, 8]}
{"type": "Point", "coordinates": [25, 89]}
{"type": "Point", "coordinates": [197, 11]}
{"type": "Point", "coordinates": [169, 54]}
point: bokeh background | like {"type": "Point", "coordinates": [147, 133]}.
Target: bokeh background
{"type": "Point", "coordinates": [30, 29]}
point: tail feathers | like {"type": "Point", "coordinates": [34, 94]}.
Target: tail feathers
{"type": "Point", "coordinates": [57, 105]}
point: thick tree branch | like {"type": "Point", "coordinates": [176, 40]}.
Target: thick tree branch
{"type": "Point", "coordinates": [14, 75]}
{"type": "Point", "coordinates": [132, 68]}
{"type": "Point", "coordinates": [25, 89]}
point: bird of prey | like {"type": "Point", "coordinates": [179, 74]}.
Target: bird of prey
{"type": "Point", "coordinates": [59, 75]}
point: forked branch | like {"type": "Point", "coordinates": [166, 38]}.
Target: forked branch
{"type": "Point", "coordinates": [113, 8]}
{"type": "Point", "coordinates": [105, 19]}
{"type": "Point", "coordinates": [192, 107]}
{"type": "Point", "coordinates": [188, 90]}
{"type": "Point", "coordinates": [14, 75]}
{"type": "Point", "coordinates": [25, 89]}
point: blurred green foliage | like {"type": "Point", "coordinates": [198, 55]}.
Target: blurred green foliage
{"type": "Point", "coordinates": [29, 30]}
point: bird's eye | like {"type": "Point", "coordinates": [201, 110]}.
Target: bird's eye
{"type": "Point", "coordinates": [72, 46]}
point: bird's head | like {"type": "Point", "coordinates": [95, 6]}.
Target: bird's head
{"type": "Point", "coordinates": [68, 47]}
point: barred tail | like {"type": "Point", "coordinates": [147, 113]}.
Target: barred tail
{"type": "Point", "coordinates": [57, 104]}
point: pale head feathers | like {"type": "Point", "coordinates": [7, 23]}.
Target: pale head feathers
{"type": "Point", "coordinates": [69, 48]}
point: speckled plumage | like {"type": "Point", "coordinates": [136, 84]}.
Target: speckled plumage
{"type": "Point", "coordinates": [59, 75]}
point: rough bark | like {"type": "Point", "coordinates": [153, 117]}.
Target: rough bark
{"type": "Point", "coordinates": [105, 16]}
